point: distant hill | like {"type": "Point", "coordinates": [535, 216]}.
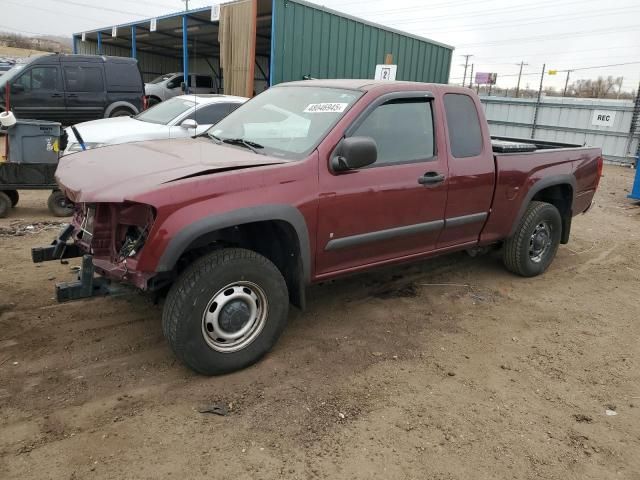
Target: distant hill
{"type": "Point", "coordinates": [43, 43]}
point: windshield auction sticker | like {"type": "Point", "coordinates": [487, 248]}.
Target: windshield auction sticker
{"type": "Point", "coordinates": [326, 107]}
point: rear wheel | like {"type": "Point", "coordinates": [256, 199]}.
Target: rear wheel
{"type": "Point", "coordinates": [121, 112]}
{"type": "Point", "coordinates": [14, 196]}
{"type": "Point", "coordinates": [60, 205]}
{"type": "Point", "coordinates": [226, 311]}
{"type": "Point", "coordinates": [153, 101]}
{"type": "Point", "coordinates": [532, 248]}
{"type": "Point", "coordinates": [5, 204]}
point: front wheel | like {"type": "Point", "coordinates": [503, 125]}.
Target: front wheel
{"type": "Point", "coordinates": [532, 248]}
{"type": "Point", "coordinates": [60, 205]}
{"type": "Point", "coordinates": [225, 311]}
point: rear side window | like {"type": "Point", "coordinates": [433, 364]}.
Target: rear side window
{"type": "Point", "coordinates": [123, 75]}
{"type": "Point", "coordinates": [210, 114]}
{"type": "Point", "coordinates": [80, 78]}
{"type": "Point", "coordinates": [402, 129]}
{"type": "Point", "coordinates": [203, 81]}
{"type": "Point", "coordinates": [465, 135]}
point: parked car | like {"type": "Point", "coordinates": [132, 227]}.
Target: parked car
{"type": "Point", "coordinates": [170, 85]}
{"type": "Point", "coordinates": [74, 88]}
{"type": "Point", "coordinates": [179, 117]}
{"type": "Point", "coordinates": [5, 66]}
{"type": "Point", "coordinates": [236, 223]}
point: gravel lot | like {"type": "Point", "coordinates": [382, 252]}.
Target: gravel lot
{"type": "Point", "coordinates": [448, 369]}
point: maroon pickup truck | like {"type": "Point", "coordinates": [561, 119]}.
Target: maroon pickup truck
{"type": "Point", "coordinates": [306, 182]}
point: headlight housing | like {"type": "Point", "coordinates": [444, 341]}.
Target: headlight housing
{"type": "Point", "coordinates": [76, 147]}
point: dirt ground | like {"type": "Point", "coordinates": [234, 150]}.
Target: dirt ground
{"type": "Point", "coordinates": [448, 369]}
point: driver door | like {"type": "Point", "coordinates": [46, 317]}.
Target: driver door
{"type": "Point", "coordinates": [393, 208]}
{"type": "Point", "coordinates": [38, 94]}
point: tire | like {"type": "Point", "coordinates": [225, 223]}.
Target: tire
{"type": "Point", "coordinates": [14, 196]}
{"type": "Point", "coordinates": [153, 101]}
{"type": "Point", "coordinates": [532, 248]}
{"type": "Point", "coordinates": [195, 304]}
{"type": "Point", "coordinates": [5, 204]}
{"type": "Point", "coordinates": [59, 205]}
{"type": "Point", "coordinates": [121, 112]}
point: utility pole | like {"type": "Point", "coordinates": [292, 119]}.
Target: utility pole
{"type": "Point", "coordinates": [186, 5]}
{"type": "Point", "coordinates": [471, 77]}
{"type": "Point", "coordinates": [535, 114]}
{"type": "Point", "coordinates": [466, 64]}
{"type": "Point", "coordinates": [566, 83]}
{"type": "Point", "coordinates": [522, 64]}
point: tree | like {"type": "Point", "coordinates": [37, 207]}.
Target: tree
{"type": "Point", "coordinates": [599, 88]}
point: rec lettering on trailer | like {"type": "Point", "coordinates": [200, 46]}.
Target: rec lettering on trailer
{"type": "Point", "coordinates": [603, 118]}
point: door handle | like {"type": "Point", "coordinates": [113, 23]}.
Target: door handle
{"type": "Point", "coordinates": [56, 95]}
{"type": "Point", "coordinates": [72, 95]}
{"type": "Point", "coordinates": [431, 178]}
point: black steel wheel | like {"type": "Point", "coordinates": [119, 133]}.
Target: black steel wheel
{"type": "Point", "coordinates": [532, 248]}
{"type": "Point", "coordinates": [5, 204]}
{"type": "Point", "coordinates": [14, 196]}
{"type": "Point", "coordinates": [225, 311]}
{"type": "Point", "coordinates": [59, 204]}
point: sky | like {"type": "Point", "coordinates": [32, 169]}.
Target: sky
{"type": "Point", "coordinates": [564, 34]}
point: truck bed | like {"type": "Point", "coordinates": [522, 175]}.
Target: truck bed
{"type": "Point", "coordinates": [547, 163]}
{"type": "Point", "coordinates": [525, 145]}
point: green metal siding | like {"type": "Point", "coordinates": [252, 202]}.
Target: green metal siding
{"type": "Point", "coordinates": [309, 40]}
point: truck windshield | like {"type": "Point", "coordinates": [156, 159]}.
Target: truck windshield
{"type": "Point", "coordinates": [287, 122]}
{"type": "Point", "coordinates": [164, 112]}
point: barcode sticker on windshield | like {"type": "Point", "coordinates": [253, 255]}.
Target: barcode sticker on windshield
{"type": "Point", "coordinates": [326, 107]}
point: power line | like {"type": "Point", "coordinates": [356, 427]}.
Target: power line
{"type": "Point", "coordinates": [593, 67]}
{"type": "Point", "coordinates": [581, 33]}
{"type": "Point", "coordinates": [421, 7]}
{"type": "Point", "coordinates": [102, 8]}
{"type": "Point", "coordinates": [536, 20]}
{"type": "Point", "coordinates": [567, 52]}
{"type": "Point", "coordinates": [484, 13]}
{"type": "Point", "coordinates": [43, 9]}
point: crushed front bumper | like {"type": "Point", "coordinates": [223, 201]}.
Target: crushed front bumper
{"type": "Point", "coordinates": [87, 284]}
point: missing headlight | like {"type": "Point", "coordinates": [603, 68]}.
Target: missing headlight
{"type": "Point", "coordinates": [133, 241]}
{"type": "Point", "coordinates": [134, 222]}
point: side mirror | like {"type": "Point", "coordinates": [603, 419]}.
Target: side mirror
{"type": "Point", "coordinates": [17, 88]}
{"type": "Point", "coordinates": [171, 85]}
{"type": "Point", "coordinates": [354, 153]}
{"type": "Point", "coordinates": [189, 123]}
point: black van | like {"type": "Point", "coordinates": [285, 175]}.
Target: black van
{"type": "Point", "coordinates": [74, 88]}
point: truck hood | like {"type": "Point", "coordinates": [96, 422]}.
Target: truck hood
{"type": "Point", "coordinates": [119, 172]}
{"type": "Point", "coordinates": [118, 130]}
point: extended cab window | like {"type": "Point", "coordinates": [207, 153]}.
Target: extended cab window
{"type": "Point", "coordinates": [39, 78]}
{"type": "Point", "coordinates": [402, 129]}
{"type": "Point", "coordinates": [79, 78]}
{"type": "Point", "coordinates": [465, 135]}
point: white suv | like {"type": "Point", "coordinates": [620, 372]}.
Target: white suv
{"type": "Point", "coordinates": [169, 85]}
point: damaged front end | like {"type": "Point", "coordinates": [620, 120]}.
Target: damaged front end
{"type": "Point", "coordinates": [109, 237]}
